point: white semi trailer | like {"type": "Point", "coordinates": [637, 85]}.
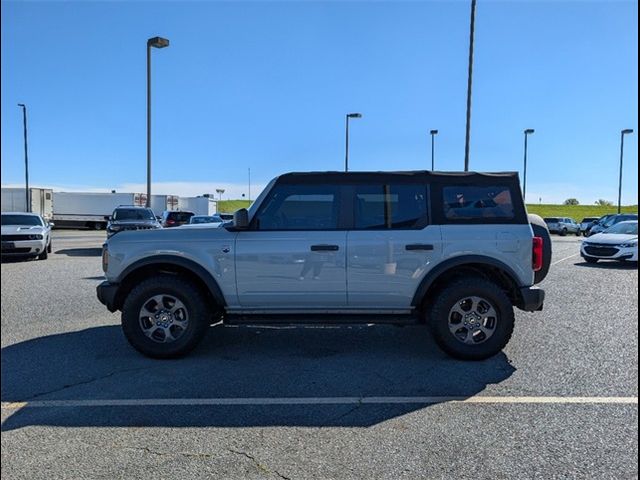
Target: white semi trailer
{"type": "Point", "coordinates": [40, 200]}
{"type": "Point", "coordinates": [91, 210]}
{"type": "Point", "coordinates": [198, 205]}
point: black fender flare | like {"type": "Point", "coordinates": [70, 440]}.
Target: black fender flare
{"type": "Point", "coordinates": [182, 262]}
{"type": "Point", "coordinates": [459, 261]}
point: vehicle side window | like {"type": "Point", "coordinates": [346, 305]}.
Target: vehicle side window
{"type": "Point", "coordinates": [465, 202]}
{"type": "Point", "coordinates": [299, 207]}
{"type": "Point", "coordinates": [390, 206]}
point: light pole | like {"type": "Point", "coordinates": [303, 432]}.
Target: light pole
{"type": "Point", "coordinates": [249, 184]}
{"type": "Point", "coordinates": [220, 191]}
{"type": "Point", "coordinates": [622, 134]}
{"type": "Point", "coordinates": [527, 132]}
{"type": "Point", "coordinates": [26, 158]}
{"type": "Point", "coordinates": [155, 42]}
{"type": "Point", "coordinates": [346, 152]}
{"type": "Point", "coordinates": [433, 134]}
{"type": "Point", "coordinates": [469, 77]}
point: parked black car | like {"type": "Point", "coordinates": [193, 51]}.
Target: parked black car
{"type": "Point", "coordinates": [171, 218]}
{"type": "Point", "coordinates": [130, 217]}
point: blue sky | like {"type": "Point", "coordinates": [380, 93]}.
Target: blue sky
{"type": "Point", "coordinates": [265, 85]}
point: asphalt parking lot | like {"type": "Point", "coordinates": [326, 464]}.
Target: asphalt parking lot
{"type": "Point", "coordinates": [559, 402]}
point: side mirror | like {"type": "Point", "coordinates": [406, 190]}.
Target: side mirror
{"type": "Point", "coordinates": [51, 224]}
{"type": "Point", "coordinates": [241, 219]}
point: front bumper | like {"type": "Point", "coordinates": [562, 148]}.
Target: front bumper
{"type": "Point", "coordinates": [531, 299]}
{"type": "Point", "coordinates": [612, 252]}
{"type": "Point", "coordinates": [23, 247]}
{"type": "Point", "coordinates": [106, 293]}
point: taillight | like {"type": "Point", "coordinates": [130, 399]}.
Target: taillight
{"type": "Point", "coordinates": [537, 254]}
{"type": "Point", "coordinates": [170, 222]}
{"type": "Point", "coordinates": [105, 258]}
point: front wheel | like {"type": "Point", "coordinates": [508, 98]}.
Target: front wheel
{"type": "Point", "coordinates": [165, 317]}
{"type": "Point", "coordinates": [471, 319]}
{"type": "Point", "coordinates": [563, 232]}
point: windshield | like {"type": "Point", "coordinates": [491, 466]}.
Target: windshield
{"type": "Point", "coordinates": [551, 220]}
{"type": "Point", "coordinates": [133, 214]}
{"type": "Point", "coordinates": [209, 219]}
{"type": "Point", "coordinates": [31, 220]}
{"type": "Point", "coordinates": [626, 228]}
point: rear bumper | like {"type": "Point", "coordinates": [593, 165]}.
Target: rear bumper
{"type": "Point", "coordinates": [531, 299]}
{"type": "Point", "coordinates": [106, 293]}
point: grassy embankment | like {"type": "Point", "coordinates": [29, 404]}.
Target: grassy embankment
{"type": "Point", "coordinates": [577, 212]}
{"type": "Point", "coordinates": [230, 206]}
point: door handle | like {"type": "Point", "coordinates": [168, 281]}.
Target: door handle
{"type": "Point", "coordinates": [418, 246]}
{"type": "Point", "coordinates": [324, 248]}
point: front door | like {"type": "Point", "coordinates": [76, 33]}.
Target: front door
{"type": "Point", "coordinates": [294, 254]}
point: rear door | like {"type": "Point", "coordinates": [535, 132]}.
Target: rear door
{"type": "Point", "coordinates": [390, 246]}
{"type": "Point", "coordinates": [293, 255]}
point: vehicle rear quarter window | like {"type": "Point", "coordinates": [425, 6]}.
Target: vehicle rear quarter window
{"type": "Point", "coordinates": [470, 202]}
{"type": "Point", "coordinates": [390, 206]}
{"type": "Point", "coordinates": [299, 207]}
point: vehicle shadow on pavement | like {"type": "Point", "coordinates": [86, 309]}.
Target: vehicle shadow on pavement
{"type": "Point", "coordinates": [609, 265]}
{"type": "Point", "coordinates": [238, 362]}
{"type": "Point", "coordinates": [17, 259]}
{"type": "Point", "coordinates": [80, 252]}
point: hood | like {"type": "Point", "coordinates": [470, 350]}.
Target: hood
{"type": "Point", "coordinates": [610, 238]}
{"type": "Point", "coordinates": [10, 229]}
{"type": "Point", "coordinates": [133, 222]}
{"type": "Point", "coordinates": [172, 235]}
{"type": "Point", "coordinates": [202, 225]}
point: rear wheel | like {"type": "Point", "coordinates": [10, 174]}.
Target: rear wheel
{"type": "Point", "coordinates": [165, 317]}
{"type": "Point", "coordinates": [471, 319]}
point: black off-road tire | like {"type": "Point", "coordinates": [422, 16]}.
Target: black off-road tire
{"type": "Point", "coordinates": [540, 229]}
{"type": "Point", "coordinates": [458, 290]}
{"type": "Point", "coordinates": [180, 288]}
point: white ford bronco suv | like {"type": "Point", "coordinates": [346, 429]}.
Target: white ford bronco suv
{"type": "Point", "coordinates": [453, 251]}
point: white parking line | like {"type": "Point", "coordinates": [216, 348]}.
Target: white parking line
{"type": "Point", "coordinates": [135, 402]}
{"type": "Point", "coordinates": [565, 258]}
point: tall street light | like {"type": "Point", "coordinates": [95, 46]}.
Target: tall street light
{"type": "Point", "coordinates": [155, 42]}
{"type": "Point", "coordinates": [346, 152]}
{"type": "Point", "coordinates": [527, 132]}
{"type": "Point", "coordinates": [622, 134]}
{"type": "Point", "coordinates": [433, 134]}
{"type": "Point", "coordinates": [469, 77]}
{"type": "Point", "coordinates": [26, 158]}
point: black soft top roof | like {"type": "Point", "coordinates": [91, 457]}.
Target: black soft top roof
{"type": "Point", "coordinates": [427, 176]}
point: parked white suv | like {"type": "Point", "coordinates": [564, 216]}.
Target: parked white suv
{"type": "Point", "coordinates": [26, 235]}
{"type": "Point", "coordinates": [455, 251]}
{"type": "Point", "coordinates": [562, 225]}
